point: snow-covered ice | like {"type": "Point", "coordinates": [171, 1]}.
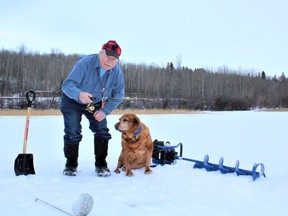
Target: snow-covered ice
{"type": "Point", "coordinates": [247, 136]}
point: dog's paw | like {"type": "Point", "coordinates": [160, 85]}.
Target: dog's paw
{"type": "Point", "coordinates": [129, 173]}
{"type": "Point", "coordinates": [148, 171]}
{"type": "Point", "coordinates": [117, 171]}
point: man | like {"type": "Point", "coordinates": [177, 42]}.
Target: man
{"type": "Point", "coordinates": [95, 87]}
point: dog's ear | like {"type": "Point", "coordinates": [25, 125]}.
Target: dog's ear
{"type": "Point", "coordinates": [136, 121]}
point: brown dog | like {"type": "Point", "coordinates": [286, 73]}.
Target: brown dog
{"type": "Point", "coordinates": [137, 145]}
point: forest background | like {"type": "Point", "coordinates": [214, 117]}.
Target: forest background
{"type": "Point", "coordinates": [147, 86]}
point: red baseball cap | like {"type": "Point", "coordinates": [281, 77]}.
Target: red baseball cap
{"type": "Point", "coordinates": [112, 48]}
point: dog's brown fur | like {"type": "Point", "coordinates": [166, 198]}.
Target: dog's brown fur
{"type": "Point", "coordinates": [137, 145]}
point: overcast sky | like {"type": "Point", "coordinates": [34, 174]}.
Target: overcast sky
{"type": "Point", "coordinates": [244, 35]}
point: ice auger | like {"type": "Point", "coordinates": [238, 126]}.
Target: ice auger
{"type": "Point", "coordinates": [166, 154]}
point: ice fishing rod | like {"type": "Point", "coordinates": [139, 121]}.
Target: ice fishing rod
{"type": "Point", "coordinates": [110, 98]}
{"type": "Point", "coordinates": [92, 107]}
{"type": "Point", "coordinates": [81, 207]}
{"type": "Point", "coordinates": [55, 207]}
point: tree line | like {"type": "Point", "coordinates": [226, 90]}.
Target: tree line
{"type": "Point", "coordinates": [177, 87]}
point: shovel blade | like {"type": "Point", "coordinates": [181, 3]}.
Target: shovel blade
{"type": "Point", "coordinates": [24, 164]}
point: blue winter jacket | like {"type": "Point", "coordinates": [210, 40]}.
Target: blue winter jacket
{"type": "Point", "coordinates": [84, 77]}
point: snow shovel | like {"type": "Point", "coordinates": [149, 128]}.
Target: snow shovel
{"type": "Point", "coordinates": [24, 162]}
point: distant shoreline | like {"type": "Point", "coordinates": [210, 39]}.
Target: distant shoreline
{"type": "Point", "coordinates": [12, 112]}
{"type": "Point", "coordinates": [22, 112]}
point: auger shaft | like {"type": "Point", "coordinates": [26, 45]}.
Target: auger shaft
{"type": "Point", "coordinates": [211, 166]}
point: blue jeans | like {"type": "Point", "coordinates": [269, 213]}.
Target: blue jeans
{"type": "Point", "coordinates": [72, 113]}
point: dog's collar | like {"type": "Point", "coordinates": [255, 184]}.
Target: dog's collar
{"type": "Point", "coordinates": [138, 131]}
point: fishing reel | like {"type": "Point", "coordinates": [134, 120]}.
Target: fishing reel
{"type": "Point", "coordinates": [91, 108]}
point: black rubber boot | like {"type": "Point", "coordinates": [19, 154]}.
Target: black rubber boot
{"type": "Point", "coordinates": [71, 154]}
{"type": "Point", "coordinates": [101, 152]}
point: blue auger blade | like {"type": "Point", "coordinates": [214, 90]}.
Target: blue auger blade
{"type": "Point", "coordinates": [241, 171]}
{"type": "Point", "coordinates": [215, 167]}
{"type": "Point", "coordinates": [253, 172]}
{"type": "Point", "coordinates": [256, 174]}
{"type": "Point", "coordinates": [199, 165]}
{"type": "Point", "coordinates": [225, 169]}
{"type": "Point", "coordinates": [202, 164]}
{"type": "Point", "coordinates": [209, 166]}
